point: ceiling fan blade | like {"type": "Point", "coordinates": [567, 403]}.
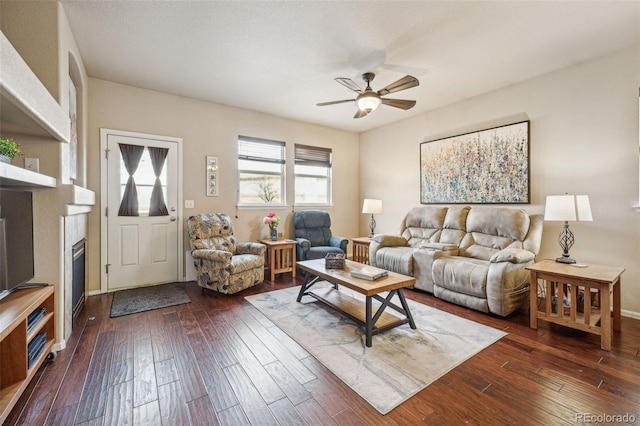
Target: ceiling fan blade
{"type": "Point", "coordinates": [360, 113]}
{"type": "Point", "coordinates": [349, 84]}
{"type": "Point", "coordinates": [405, 82]}
{"type": "Point", "coordinates": [335, 102]}
{"type": "Point", "coordinates": [399, 103]}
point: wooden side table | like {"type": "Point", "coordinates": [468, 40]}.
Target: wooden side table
{"type": "Point", "coordinates": [361, 249]}
{"type": "Point", "coordinates": [561, 282]}
{"type": "Point", "coordinates": [281, 257]}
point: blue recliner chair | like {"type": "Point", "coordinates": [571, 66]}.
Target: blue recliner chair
{"type": "Point", "coordinates": [313, 235]}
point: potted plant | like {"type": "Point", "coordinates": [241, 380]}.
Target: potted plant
{"type": "Point", "coordinates": [8, 149]}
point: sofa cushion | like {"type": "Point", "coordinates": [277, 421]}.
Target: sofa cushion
{"type": "Point", "coordinates": [456, 218]}
{"type": "Point", "coordinates": [490, 230]}
{"type": "Point", "coordinates": [513, 256]}
{"type": "Point", "coordinates": [423, 224]}
{"type": "Point", "coordinates": [461, 275]}
{"type": "Point", "coordinates": [321, 252]}
{"type": "Point", "coordinates": [313, 225]}
{"type": "Point", "coordinates": [212, 231]}
{"type": "Point", "coordinates": [499, 221]}
{"type": "Point", "coordinates": [483, 246]}
{"type": "Point", "coordinates": [397, 259]}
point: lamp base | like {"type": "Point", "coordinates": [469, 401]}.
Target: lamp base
{"type": "Point", "coordinates": [372, 227]}
{"type": "Point", "coordinates": [567, 260]}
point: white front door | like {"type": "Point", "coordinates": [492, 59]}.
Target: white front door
{"type": "Point", "coordinates": [141, 249]}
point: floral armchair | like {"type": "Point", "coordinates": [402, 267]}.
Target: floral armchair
{"type": "Point", "coordinates": [223, 264]}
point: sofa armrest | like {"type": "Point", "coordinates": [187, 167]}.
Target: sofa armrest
{"type": "Point", "coordinates": [258, 249]}
{"type": "Point", "coordinates": [381, 241]}
{"type": "Point", "coordinates": [513, 255]}
{"type": "Point", "coordinates": [304, 244]}
{"type": "Point", "coordinates": [302, 247]}
{"type": "Point", "coordinates": [339, 242]}
{"type": "Point", "coordinates": [390, 240]}
{"type": "Point", "coordinates": [219, 258]}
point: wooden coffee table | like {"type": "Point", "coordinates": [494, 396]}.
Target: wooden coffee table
{"type": "Point", "coordinates": [394, 283]}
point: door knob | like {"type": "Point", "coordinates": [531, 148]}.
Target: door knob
{"type": "Point", "coordinates": [173, 219]}
{"type": "Point", "coordinates": [173, 209]}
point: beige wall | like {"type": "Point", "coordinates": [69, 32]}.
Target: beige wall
{"type": "Point", "coordinates": [39, 49]}
{"type": "Point", "coordinates": [584, 140]}
{"type": "Point", "coordinates": [212, 129]}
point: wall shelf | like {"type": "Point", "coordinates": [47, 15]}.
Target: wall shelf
{"type": "Point", "coordinates": [26, 106]}
{"type": "Point", "coordinates": [16, 177]}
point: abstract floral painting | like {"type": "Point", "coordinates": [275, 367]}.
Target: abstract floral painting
{"type": "Point", "coordinates": [489, 166]}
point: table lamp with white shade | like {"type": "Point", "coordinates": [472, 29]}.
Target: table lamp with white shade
{"type": "Point", "coordinates": [567, 208]}
{"type": "Point", "coordinates": [372, 207]}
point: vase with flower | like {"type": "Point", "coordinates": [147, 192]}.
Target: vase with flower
{"type": "Point", "coordinates": [272, 220]}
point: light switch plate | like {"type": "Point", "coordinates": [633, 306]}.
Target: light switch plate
{"type": "Point", "coordinates": [32, 164]}
{"type": "Point", "coordinates": [189, 204]}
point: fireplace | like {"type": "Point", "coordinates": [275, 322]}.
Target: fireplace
{"type": "Point", "coordinates": [78, 277]}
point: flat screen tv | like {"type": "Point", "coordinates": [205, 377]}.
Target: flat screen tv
{"type": "Point", "coordinates": [16, 239]}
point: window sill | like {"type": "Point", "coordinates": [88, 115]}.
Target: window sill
{"type": "Point", "coordinates": [263, 207]}
{"type": "Point", "coordinates": [317, 206]}
{"type": "Point", "coordinates": [636, 208]}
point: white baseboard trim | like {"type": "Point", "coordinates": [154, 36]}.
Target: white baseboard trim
{"type": "Point", "coordinates": [630, 314]}
{"type": "Point", "coordinates": [94, 292]}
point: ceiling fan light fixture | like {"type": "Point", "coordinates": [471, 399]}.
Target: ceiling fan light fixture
{"type": "Point", "coordinates": [368, 101]}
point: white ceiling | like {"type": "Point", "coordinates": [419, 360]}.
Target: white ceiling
{"type": "Point", "coordinates": [280, 57]}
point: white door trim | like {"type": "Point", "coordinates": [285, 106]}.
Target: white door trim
{"type": "Point", "coordinates": [104, 133]}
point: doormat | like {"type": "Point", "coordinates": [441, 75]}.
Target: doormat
{"type": "Point", "coordinates": [135, 300]}
{"type": "Point", "coordinates": [401, 361]}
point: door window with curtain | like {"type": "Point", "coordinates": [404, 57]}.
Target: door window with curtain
{"type": "Point", "coordinates": [312, 175]}
{"type": "Point", "coordinates": [143, 177]}
{"type": "Point", "coordinates": [261, 172]}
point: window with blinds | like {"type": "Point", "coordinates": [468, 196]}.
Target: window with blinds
{"type": "Point", "coordinates": [261, 170]}
{"type": "Point", "coordinates": [312, 175]}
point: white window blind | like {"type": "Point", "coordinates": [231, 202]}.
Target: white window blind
{"type": "Point", "coordinates": [312, 175]}
{"type": "Point", "coordinates": [261, 172]}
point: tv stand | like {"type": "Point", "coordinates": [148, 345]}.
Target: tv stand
{"type": "Point", "coordinates": [19, 364]}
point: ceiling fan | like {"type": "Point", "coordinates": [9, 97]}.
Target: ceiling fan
{"type": "Point", "coordinates": [368, 100]}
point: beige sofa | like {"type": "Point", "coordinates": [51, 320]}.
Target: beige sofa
{"type": "Point", "coordinates": [472, 256]}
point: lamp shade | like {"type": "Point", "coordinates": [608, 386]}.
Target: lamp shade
{"type": "Point", "coordinates": [372, 206]}
{"type": "Point", "coordinates": [567, 208]}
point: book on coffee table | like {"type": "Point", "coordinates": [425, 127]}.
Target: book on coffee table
{"type": "Point", "coordinates": [369, 273]}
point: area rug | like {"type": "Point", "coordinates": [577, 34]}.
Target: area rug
{"type": "Point", "coordinates": [401, 361]}
{"type": "Point", "coordinates": [126, 302]}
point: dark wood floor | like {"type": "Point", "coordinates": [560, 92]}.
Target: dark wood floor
{"type": "Point", "coordinates": [210, 362]}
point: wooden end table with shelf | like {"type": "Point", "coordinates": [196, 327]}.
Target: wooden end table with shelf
{"type": "Point", "coordinates": [562, 282]}
{"type": "Point", "coordinates": [281, 257]}
{"type": "Point", "coordinates": [361, 249]}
